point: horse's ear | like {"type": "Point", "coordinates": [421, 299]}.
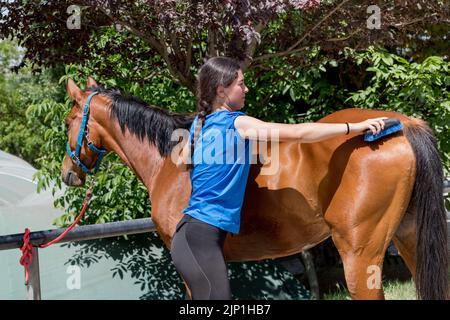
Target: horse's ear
{"type": "Point", "coordinates": [74, 92]}
{"type": "Point", "coordinates": [91, 82]}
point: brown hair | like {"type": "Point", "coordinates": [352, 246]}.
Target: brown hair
{"type": "Point", "coordinates": [217, 71]}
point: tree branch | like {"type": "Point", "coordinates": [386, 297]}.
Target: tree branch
{"type": "Point", "coordinates": [212, 43]}
{"type": "Point", "coordinates": [160, 46]}
{"type": "Point", "coordinates": [271, 55]}
{"type": "Point", "coordinates": [414, 21]}
{"type": "Point", "coordinates": [291, 50]}
{"type": "Point", "coordinates": [174, 42]}
{"type": "Point", "coordinates": [188, 63]}
{"type": "Point", "coordinates": [317, 25]}
{"type": "Point", "coordinates": [250, 50]}
{"type": "Point", "coordinates": [149, 39]}
{"type": "Point", "coordinates": [345, 38]}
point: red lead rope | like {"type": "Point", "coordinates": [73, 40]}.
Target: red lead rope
{"type": "Point", "coordinates": [27, 253]}
{"type": "Point", "coordinates": [27, 247]}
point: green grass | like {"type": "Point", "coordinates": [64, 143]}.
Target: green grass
{"type": "Point", "coordinates": [399, 290]}
{"type": "Point", "coordinates": [393, 290]}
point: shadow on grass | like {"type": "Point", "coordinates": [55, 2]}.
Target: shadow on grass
{"type": "Point", "coordinates": [145, 260]}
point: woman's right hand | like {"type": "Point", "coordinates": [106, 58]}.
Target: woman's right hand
{"type": "Point", "coordinates": [375, 125]}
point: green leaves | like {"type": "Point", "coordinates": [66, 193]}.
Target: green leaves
{"type": "Point", "coordinates": [417, 89]}
{"type": "Point", "coordinates": [33, 108]}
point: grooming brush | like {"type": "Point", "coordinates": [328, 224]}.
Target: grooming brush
{"type": "Point", "coordinates": [391, 125]}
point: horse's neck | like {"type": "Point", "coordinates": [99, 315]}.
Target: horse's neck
{"type": "Point", "coordinates": [140, 156]}
{"type": "Point", "coordinates": [168, 187]}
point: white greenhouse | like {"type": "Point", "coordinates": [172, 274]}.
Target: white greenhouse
{"type": "Point", "coordinates": [78, 271]}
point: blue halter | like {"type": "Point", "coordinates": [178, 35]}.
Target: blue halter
{"type": "Point", "coordinates": [84, 132]}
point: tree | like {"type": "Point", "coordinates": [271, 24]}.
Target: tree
{"type": "Point", "coordinates": [21, 134]}
{"type": "Point", "coordinates": [280, 89]}
{"type": "Point", "coordinates": [181, 34]}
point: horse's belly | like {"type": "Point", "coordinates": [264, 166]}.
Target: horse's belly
{"type": "Point", "coordinates": [282, 213]}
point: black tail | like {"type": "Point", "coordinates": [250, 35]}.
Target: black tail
{"type": "Point", "coordinates": [431, 221]}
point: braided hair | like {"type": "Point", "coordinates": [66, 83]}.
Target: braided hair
{"type": "Point", "coordinates": [217, 71]}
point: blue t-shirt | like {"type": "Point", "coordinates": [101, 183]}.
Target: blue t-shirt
{"type": "Point", "coordinates": [221, 164]}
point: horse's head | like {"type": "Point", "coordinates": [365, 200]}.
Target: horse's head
{"type": "Point", "coordinates": [84, 150]}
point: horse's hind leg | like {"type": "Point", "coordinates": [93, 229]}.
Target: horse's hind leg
{"type": "Point", "coordinates": [405, 241]}
{"type": "Point", "coordinates": [362, 229]}
{"type": "Point", "coordinates": [362, 267]}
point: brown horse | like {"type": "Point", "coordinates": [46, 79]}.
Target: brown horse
{"type": "Point", "coordinates": [361, 194]}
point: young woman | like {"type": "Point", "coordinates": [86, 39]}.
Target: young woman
{"type": "Point", "coordinates": [218, 184]}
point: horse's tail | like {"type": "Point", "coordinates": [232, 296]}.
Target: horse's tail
{"type": "Point", "coordinates": [431, 223]}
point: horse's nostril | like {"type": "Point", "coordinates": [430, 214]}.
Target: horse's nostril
{"type": "Point", "coordinates": [68, 178]}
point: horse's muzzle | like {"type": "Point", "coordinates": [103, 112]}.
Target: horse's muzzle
{"type": "Point", "coordinates": [71, 179]}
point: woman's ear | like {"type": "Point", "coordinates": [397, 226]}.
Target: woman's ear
{"type": "Point", "coordinates": [220, 92]}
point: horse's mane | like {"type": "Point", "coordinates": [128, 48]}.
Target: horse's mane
{"type": "Point", "coordinates": [146, 121]}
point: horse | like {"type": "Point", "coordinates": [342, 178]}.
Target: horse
{"type": "Point", "coordinates": [361, 194]}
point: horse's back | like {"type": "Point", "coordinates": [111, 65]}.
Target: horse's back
{"type": "Point", "coordinates": [283, 212]}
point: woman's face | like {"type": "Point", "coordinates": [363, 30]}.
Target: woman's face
{"type": "Point", "coordinates": [234, 94]}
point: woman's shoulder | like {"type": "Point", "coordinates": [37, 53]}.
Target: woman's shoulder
{"type": "Point", "coordinates": [225, 113]}
{"type": "Point", "coordinates": [233, 114]}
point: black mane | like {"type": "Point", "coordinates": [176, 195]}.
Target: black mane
{"type": "Point", "coordinates": [146, 121]}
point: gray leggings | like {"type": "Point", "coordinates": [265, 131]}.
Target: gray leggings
{"type": "Point", "coordinates": [197, 253]}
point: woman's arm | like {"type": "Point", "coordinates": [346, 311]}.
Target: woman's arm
{"type": "Point", "coordinates": [255, 129]}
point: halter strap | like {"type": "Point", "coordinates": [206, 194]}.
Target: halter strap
{"type": "Point", "coordinates": [75, 156]}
